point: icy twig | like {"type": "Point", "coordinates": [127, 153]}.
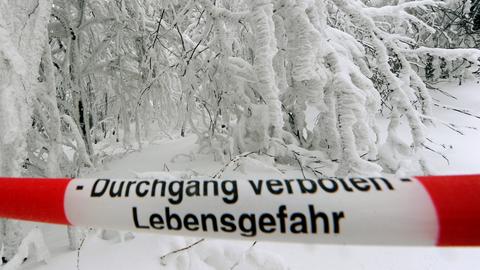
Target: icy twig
{"type": "Point", "coordinates": [243, 256]}
{"type": "Point", "coordinates": [459, 110]}
{"type": "Point", "coordinates": [162, 258]}
{"type": "Point", "coordinates": [79, 249]}
{"type": "Point", "coordinates": [232, 161]}
{"type": "Point", "coordinates": [437, 152]}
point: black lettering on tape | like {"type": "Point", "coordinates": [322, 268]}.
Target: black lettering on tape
{"type": "Point", "coordinates": [360, 184]}
{"type": "Point", "coordinates": [191, 222]}
{"type": "Point", "coordinates": [228, 223]}
{"type": "Point", "coordinates": [135, 220]}
{"type": "Point", "coordinates": [102, 189]}
{"type": "Point", "coordinates": [257, 187]}
{"type": "Point", "coordinates": [328, 185]}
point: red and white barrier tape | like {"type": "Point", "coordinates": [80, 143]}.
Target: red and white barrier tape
{"type": "Point", "coordinates": [433, 210]}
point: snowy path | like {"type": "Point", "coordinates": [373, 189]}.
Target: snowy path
{"type": "Point", "coordinates": [144, 251]}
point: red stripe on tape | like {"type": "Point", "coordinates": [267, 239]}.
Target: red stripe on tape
{"type": "Point", "coordinates": [35, 199]}
{"type": "Point", "coordinates": [457, 202]}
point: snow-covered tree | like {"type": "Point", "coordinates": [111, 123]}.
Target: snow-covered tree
{"type": "Point", "coordinates": [239, 74]}
{"type": "Point", "coordinates": [24, 41]}
{"type": "Point", "coordinates": [347, 59]}
{"type": "Point", "coordinates": [455, 24]}
{"type": "Point", "coordinates": [80, 79]}
{"type": "Point", "coordinates": [242, 74]}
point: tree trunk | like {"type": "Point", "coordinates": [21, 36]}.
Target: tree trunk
{"type": "Point", "coordinates": [23, 35]}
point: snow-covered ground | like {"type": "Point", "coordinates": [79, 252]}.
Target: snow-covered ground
{"type": "Point", "coordinates": [462, 151]}
{"type": "Point", "coordinates": [145, 250]}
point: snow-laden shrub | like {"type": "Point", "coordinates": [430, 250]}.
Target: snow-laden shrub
{"type": "Point", "coordinates": [241, 75]}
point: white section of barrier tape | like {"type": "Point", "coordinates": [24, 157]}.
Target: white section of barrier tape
{"type": "Point", "coordinates": [338, 211]}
